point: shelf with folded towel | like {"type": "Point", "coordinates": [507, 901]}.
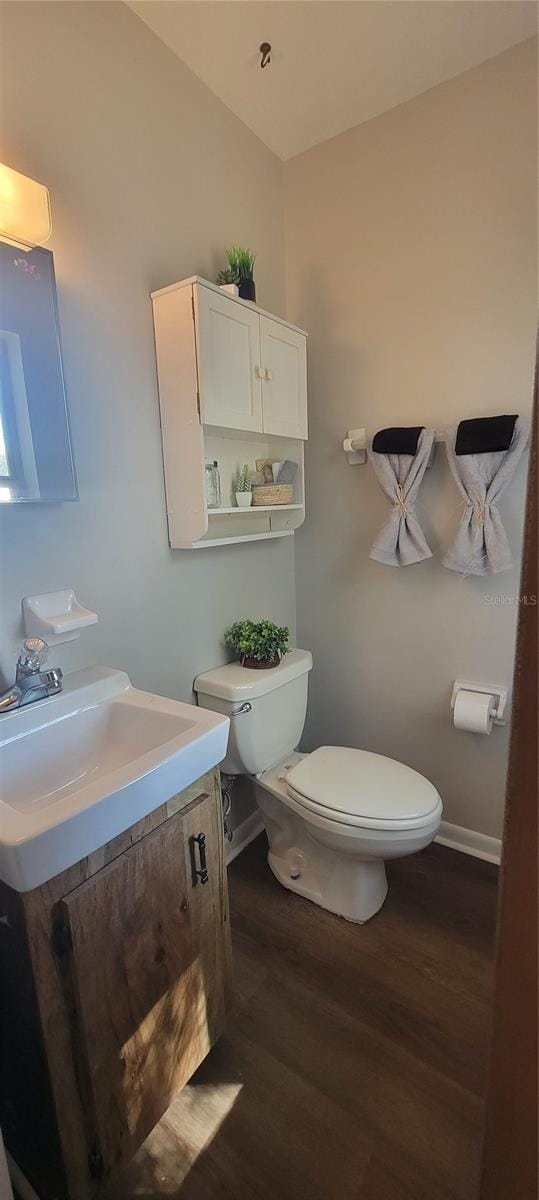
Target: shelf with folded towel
{"type": "Point", "coordinates": [483, 454]}
{"type": "Point", "coordinates": [474, 435]}
{"type": "Point", "coordinates": [355, 445]}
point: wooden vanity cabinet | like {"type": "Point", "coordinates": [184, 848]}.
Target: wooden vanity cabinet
{"type": "Point", "coordinates": [115, 985]}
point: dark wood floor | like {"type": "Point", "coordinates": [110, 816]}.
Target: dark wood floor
{"type": "Point", "coordinates": [353, 1067]}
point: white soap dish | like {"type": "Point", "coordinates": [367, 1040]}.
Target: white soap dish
{"type": "Point", "coordinates": [56, 616]}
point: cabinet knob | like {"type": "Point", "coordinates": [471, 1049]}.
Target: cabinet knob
{"type": "Point", "coordinates": [268, 374]}
{"type": "Point", "coordinates": [259, 372]}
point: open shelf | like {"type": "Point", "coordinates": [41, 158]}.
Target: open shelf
{"type": "Point", "coordinates": [254, 508]}
{"type": "Point", "coordinates": [229, 524]}
{"type": "Point", "coordinates": [204, 543]}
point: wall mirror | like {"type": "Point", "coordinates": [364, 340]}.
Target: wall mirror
{"type": "Point", "coordinates": [36, 461]}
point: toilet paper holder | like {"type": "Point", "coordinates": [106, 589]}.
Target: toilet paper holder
{"type": "Point", "coordinates": [488, 689]}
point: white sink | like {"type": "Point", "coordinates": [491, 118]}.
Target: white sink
{"type": "Point", "coordinates": [81, 767]}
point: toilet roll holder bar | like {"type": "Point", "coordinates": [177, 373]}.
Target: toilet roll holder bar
{"type": "Point", "coordinates": [496, 690]}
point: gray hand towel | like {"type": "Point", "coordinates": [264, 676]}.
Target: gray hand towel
{"type": "Point", "coordinates": [481, 546]}
{"type": "Point", "coordinates": [402, 542]}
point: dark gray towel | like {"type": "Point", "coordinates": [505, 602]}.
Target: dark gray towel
{"type": "Point", "coordinates": [401, 439]}
{"type": "Point", "coordinates": [485, 435]}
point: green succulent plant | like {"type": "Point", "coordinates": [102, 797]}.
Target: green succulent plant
{"type": "Point", "coordinates": [262, 641]}
{"type": "Point", "coordinates": [241, 261]}
{"type": "Point", "coordinates": [243, 479]}
{"type": "Point", "coordinates": [227, 275]}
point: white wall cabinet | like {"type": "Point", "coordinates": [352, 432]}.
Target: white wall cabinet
{"type": "Point", "coordinates": [252, 367]}
{"type": "Point", "coordinates": [232, 387]}
{"type": "Point", "coordinates": [228, 358]}
{"type": "Point", "coordinates": [283, 355]}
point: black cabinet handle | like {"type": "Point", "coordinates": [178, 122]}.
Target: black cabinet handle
{"type": "Point", "coordinates": [199, 872]}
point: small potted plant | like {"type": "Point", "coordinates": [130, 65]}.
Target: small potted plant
{"type": "Point", "coordinates": [242, 262]}
{"type": "Point", "coordinates": [228, 281]}
{"type": "Point", "coordinates": [259, 644]}
{"type": "Point", "coordinates": [244, 488]}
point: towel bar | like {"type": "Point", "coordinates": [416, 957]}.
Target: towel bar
{"type": "Point", "coordinates": [355, 445]}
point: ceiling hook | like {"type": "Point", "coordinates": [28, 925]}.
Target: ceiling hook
{"type": "Point", "coordinates": [265, 51]}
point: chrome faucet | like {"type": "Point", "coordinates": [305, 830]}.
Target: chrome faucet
{"type": "Point", "coordinates": [31, 682]}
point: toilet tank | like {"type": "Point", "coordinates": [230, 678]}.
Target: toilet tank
{"type": "Point", "coordinates": [266, 708]}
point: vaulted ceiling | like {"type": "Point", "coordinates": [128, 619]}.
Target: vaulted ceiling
{"type": "Point", "coordinates": [334, 63]}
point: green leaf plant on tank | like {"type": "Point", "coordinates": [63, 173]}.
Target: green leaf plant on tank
{"type": "Point", "coordinates": [258, 644]}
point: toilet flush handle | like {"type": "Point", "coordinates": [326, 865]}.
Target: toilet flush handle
{"type": "Point", "coordinates": [245, 708]}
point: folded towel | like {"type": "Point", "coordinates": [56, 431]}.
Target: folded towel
{"type": "Point", "coordinates": [288, 471]}
{"type": "Point", "coordinates": [485, 435]}
{"type": "Point", "coordinates": [399, 440]}
{"type": "Point", "coordinates": [481, 546]}
{"type": "Point", "coordinates": [402, 541]}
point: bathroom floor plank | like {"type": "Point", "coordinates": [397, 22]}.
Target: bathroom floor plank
{"type": "Point", "coordinates": [354, 1059]}
{"type": "Point", "coordinates": [419, 972]}
{"type": "Point", "coordinates": [252, 1126]}
{"type": "Point", "coordinates": [388, 1179]}
{"type": "Point", "coordinates": [371, 1077]}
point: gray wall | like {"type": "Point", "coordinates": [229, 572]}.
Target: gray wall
{"type": "Point", "coordinates": [150, 177]}
{"type": "Point", "coordinates": [411, 261]}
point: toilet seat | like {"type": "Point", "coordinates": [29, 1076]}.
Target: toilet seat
{"type": "Point", "coordinates": [362, 790]}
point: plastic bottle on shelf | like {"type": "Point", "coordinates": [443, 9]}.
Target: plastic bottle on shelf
{"type": "Point", "coordinates": [213, 484]}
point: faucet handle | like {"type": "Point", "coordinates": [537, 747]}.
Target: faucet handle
{"type": "Point", "coordinates": [33, 654]}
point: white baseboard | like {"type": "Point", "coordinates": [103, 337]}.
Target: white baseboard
{"type": "Point", "coordinates": [468, 841]}
{"type": "Point", "coordinates": [243, 835]}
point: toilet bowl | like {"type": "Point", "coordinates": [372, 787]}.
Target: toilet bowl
{"type": "Point", "coordinates": [333, 817]}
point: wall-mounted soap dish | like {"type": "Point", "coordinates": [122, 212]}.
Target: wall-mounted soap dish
{"type": "Point", "coordinates": [56, 616]}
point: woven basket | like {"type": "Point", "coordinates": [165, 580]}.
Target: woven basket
{"type": "Point", "coordinates": [273, 493]}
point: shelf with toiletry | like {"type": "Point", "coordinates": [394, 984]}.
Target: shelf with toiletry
{"type": "Point", "coordinates": [233, 401]}
{"type": "Point", "coordinates": [259, 459]}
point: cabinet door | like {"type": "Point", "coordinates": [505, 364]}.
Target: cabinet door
{"type": "Point", "coordinates": [228, 351]}
{"type": "Point", "coordinates": [284, 387]}
{"type": "Point", "coordinates": [147, 974]}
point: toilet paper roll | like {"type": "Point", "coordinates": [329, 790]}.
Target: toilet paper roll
{"type": "Point", "coordinates": [473, 711]}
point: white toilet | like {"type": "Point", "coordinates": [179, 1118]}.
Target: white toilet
{"type": "Point", "coordinates": [331, 816]}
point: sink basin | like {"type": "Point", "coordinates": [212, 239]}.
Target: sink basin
{"type": "Point", "coordinates": [81, 767]}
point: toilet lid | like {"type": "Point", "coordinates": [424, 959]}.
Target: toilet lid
{"type": "Point", "coordinates": [360, 785]}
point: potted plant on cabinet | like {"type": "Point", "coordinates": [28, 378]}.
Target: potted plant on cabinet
{"type": "Point", "coordinates": [227, 280]}
{"type": "Point", "coordinates": [244, 488]}
{"type": "Point", "coordinates": [242, 262]}
{"type": "Point", "coordinates": [259, 644]}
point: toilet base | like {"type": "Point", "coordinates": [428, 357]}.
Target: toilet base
{"type": "Point", "coordinates": [356, 891]}
{"type": "Point", "coordinates": [335, 876]}
{"type": "Point", "coordinates": [338, 866]}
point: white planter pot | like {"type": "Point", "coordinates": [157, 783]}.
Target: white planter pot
{"type": "Point", "coordinates": [230, 287]}
{"type": "Point", "coordinates": [244, 499]}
